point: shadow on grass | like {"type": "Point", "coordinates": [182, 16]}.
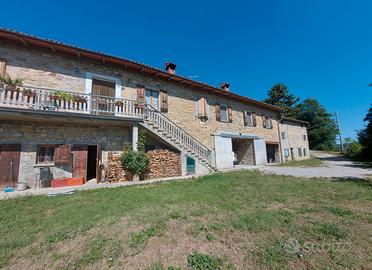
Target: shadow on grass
{"type": "Point", "coordinates": [362, 182]}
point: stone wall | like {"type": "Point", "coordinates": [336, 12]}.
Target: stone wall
{"type": "Point", "coordinates": [244, 150]}
{"type": "Point", "coordinates": [31, 134]}
{"type": "Point", "coordinates": [294, 133]}
{"type": "Point", "coordinates": [47, 69]}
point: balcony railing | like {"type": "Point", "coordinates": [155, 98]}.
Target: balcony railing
{"type": "Point", "coordinates": [42, 99]}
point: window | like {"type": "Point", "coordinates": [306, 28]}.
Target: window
{"type": "Point", "coordinates": [223, 113]}
{"type": "Point", "coordinates": [304, 137]}
{"type": "Point", "coordinates": [286, 152]}
{"type": "Point", "coordinates": [266, 121]}
{"type": "Point", "coordinates": [2, 67]}
{"type": "Point", "coordinates": [152, 98]}
{"type": "Point", "coordinates": [283, 135]}
{"type": "Point", "coordinates": [305, 152]}
{"type": "Point", "coordinates": [248, 118]}
{"type": "Point", "coordinates": [299, 152]}
{"type": "Point", "coordinates": [202, 108]}
{"type": "Point", "coordinates": [45, 154]}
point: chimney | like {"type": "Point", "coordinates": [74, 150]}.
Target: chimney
{"type": "Point", "coordinates": [225, 86]}
{"type": "Point", "coordinates": [170, 68]}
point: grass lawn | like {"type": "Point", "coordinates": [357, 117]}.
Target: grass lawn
{"type": "Point", "coordinates": [235, 220]}
{"type": "Point", "coordinates": [312, 162]}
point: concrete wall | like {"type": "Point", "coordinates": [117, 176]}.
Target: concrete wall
{"type": "Point", "coordinates": [30, 134]}
{"type": "Point", "coordinates": [47, 69]}
{"type": "Point", "coordinates": [294, 133]}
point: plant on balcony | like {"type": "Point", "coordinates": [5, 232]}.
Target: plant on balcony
{"type": "Point", "coordinates": [119, 103]}
{"type": "Point", "coordinates": [80, 99]}
{"type": "Point", "coordinates": [139, 104]}
{"type": "Point", "coordinates": [28, 93]}
{"type": "Point", "coordinates": [11, 83]}
{"type": "Point", "coordinates": [61, 95]}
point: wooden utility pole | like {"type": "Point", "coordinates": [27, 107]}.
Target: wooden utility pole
{"type": "Point", "coordinates": [339, 132]}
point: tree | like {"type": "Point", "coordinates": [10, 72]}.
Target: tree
{"type": "Point", "coordinates": [279, 96]}
{"type": "Point", "coordinates": [322, 129]}
{"type": "Point", "coordinates": [365, 135]}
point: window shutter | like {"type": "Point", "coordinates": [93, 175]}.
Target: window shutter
{"type": "Point", "coordinates": [163, 101]}
{"type": "Point", "coordinates": [245, 118]}
{"type": "Point", "coordinates": [254, 116]}
{"type": "Point", "coordinates": [271, 121]}
{"type": "Point", "coordinates": [62, 155]}
{"type": "Point", "coordinates": [218, 114]}
{"type": "Point", "coordinates": [141, 94]}
{"type": "Point", "coordinates": [2, 67]}
{"type": "Point", "coordinates": [229, 114]}
{"type": "Point", "coordinates": [264, 120]}
{"type": "Point", "coordinates": [202, 109]}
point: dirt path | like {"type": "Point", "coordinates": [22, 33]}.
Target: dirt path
{"type": "Point", "coordinates": [334, 167]}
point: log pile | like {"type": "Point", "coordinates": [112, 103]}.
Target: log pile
{"type": "Point", "coordinates": [114, 170]}
{"type": "Point", "coordinates": [163, 163]}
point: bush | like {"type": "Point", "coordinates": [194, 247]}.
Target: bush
{"type": "Point", "coordinates": [354, 150]}
{"type": "Point", "coordinates": [134, 162]}
{"type": "Point", "coordinates": [199, 261]}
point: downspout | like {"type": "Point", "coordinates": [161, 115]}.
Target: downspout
{"type": "Point", "coordinates": [280, 138]}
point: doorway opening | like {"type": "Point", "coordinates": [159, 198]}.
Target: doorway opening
{"type": "Point", "coordinates": [92, 162]}
{"type": "Point", "coordinates": [243, 151]}
{"type": "Point", "coordinates": [272, 151]}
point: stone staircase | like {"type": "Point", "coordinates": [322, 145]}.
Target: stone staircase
{"type": "Point", "coordinates": [170, 132]}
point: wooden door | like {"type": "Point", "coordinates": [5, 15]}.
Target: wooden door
{"type": "Point", "coordinates": [9, 164]}
{"type": "Point", "coordinates": [80, 159]}
{"type": "Point", "coordinates": [107, 89]}
{"type": "Point", "coordinates": [98, 163]}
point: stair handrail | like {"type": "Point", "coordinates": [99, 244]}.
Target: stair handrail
{"type": "Point", "coordinates": [149, 107]}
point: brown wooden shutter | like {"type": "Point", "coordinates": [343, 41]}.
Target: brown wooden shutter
{"type": "Point", "coordinates": [218, 113]}
{"type": "Point", "coordinates": [163, 101]}
{"type": "Point", "coordinates": [62, 155]}
{"type": "Point", "coordinates": [229, 114]}
{"type": "Point", "coordinates": [271, 121]}
{"type": "Point", "coordinates": [2, 67]}
{"type": "Point", "coordinates": [80, 159]}
{"type": "Point", "coordinates": [103, 88]}
{"type": "Point", "coordinates": [264, 120]}
{"type": "Point", "coordinates": [202, 109]}
{"type": "Point", "coordinates": [98, 164]}
{"type": "Point", "coordinates": [245, 118]}
{"type": "Point", "coordinates": [141, 94]}
{"type": "Point", "coordinates": [254, 117]}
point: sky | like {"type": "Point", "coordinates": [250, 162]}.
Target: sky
{"type": "Point", "coordinates": [320, 49]}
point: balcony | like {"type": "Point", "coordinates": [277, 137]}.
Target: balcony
{"type": "Point", "coordinates": [57, 102]}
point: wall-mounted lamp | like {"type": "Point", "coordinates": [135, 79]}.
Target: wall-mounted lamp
{"type": "Point", "coordinates": [76, 70]}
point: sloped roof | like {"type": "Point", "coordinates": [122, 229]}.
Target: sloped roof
{"type": "Point", "coordinates": [60, 47]}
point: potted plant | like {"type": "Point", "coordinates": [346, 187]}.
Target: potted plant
{"type": "Point", "coordinates": [61, 95]}
{"type": "Point", "coordinates": [28, 93]}
{"type": "Point", "coordinates": [80, 99]}
{"type": "Point", "coordinates": [139, 105]}
{"type": "Point", "coordinates": [10, 83]}
{"type": "Point", "coordinates": [119, 103]}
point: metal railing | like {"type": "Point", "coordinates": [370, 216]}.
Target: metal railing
{"type": "Point", "coordinates": [185, 140]}
{"type": "Point", "coordinates": [64, 101]}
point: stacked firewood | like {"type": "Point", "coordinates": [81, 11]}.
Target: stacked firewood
{"type": "Point", "coordinates": [114, 170]}
{"type": "Point", "coordinates": [163, 163]}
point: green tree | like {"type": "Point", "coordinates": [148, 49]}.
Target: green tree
{"type": "Point", "coordinates": [365, 135]}
{"type": "Point", "coordinates": [322, 129]}
{"type": "Point", "coordinates": [279, 96]}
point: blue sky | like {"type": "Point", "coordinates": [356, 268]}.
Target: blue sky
{"type": "Point", "coordinates": [320, 49]}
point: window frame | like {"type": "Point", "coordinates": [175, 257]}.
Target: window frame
{"type": "Point", "coordinates": [249, 115]}
{"type": "Point", "coordinates": [305, 152]}
{"type": "Point", "coordinates": [299, 150]}
{"type": "Point", "coordinates": [283, 135]}
{"type": "Point", "coordinates": [286, 152]}
{"type": "Point", "coordinates": [226, 111]}
{"type": "Point", "coordinates": [48, 147]}
{"type": "Point", "coordinates": [268, 122]}
{"type": "Point", "coordinates": [304, 137]}
{"type": "Point", "coordinates": [152, 97]}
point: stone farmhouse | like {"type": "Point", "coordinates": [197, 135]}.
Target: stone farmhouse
{"type": "Point", "coordinates": [77, 109]}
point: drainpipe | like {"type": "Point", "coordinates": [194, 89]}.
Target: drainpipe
{"type": "Point", "coordinates": [280, 139]}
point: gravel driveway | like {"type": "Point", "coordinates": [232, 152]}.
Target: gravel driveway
{"type": "Point", "coordinates": [334, 167]}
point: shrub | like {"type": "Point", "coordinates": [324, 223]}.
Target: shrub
{"type": "Point", "coordinates": [200, 261]}
{"type": "Point", "coordinates": [134, 162]}
{"type": "Point", "coordinates": [11, 82]}
{"type": "Point", "coordinates": [354, 150]}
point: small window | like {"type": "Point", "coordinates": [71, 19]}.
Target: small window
{"type": "Point", "coordinates": [283, 135]}
{"type": "Point", "coordinates": [299, 152]}
{"type": "Point", "coordinates": [286, 152]}
{"type": "Point", "coordinates": [45, 154]}
{"type": "Point", "coordinates": [223, 113]}
{"type": "Point", "coordinates": [304, 137]}
{"type": "Point", "coordinates": [305, 152]}
{"type": "Point", "coordinates": [249, 119]}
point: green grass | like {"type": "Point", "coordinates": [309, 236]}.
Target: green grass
{"type": "Point", "coordinates": [312, 162]}
{"type": "Point", "coordinates": [221, 215]}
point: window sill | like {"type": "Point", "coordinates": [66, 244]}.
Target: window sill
{"type": "Point", "coordinates": [44, 165]}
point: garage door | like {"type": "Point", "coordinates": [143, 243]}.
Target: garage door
{"type": "Point", "coordinates": [223, 149]}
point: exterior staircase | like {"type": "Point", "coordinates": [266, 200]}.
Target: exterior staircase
{"type": "Point", "coordinates": [162, 126]}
